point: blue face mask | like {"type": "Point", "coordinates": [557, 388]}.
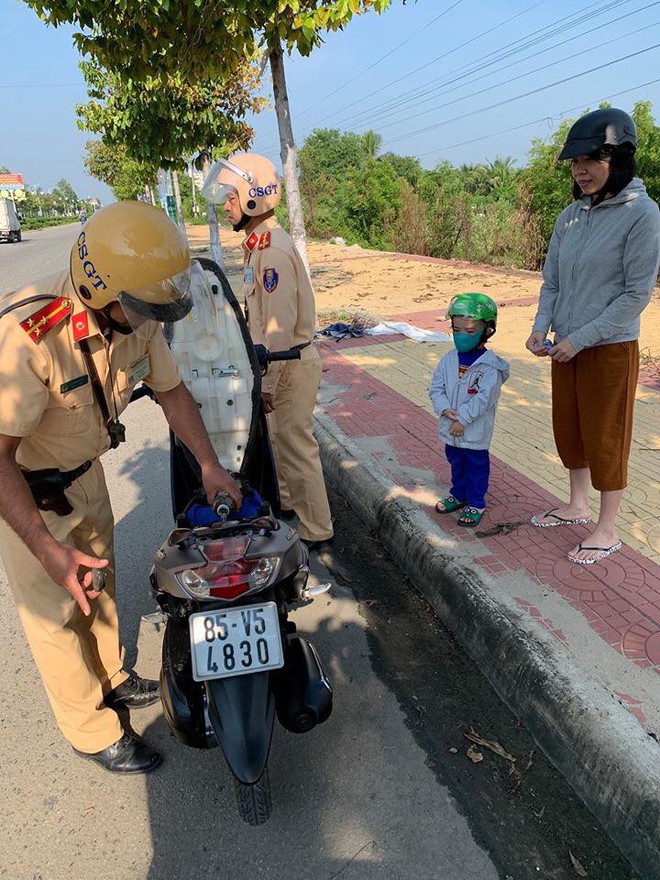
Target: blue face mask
{"type": "Point", "coordinates": [465, 342]}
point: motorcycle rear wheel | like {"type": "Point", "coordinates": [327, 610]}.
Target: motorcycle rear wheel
{"type": "Point", "coordinates": [254, 801]}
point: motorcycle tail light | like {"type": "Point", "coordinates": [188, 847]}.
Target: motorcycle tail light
{"type": "Point", "coordinates": [227, 573]}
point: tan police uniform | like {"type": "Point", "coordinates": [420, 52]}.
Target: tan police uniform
{"type": "Point", "coordinates": [46, 398]}
{"type": "Point", "coordinates": [281, 314]}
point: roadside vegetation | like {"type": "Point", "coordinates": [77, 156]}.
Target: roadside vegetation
{"type": "Point", "coordinates": [491, 212]}
{"type": "Point", "coordinates": [494, 212]}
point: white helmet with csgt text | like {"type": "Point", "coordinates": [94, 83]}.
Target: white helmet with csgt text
{"type": "Point", "coordinates": [251, 177]}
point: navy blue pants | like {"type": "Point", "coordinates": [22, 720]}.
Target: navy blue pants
{"type": "Point", "coordinates": [470, 470]}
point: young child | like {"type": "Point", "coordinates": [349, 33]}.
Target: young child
{"type": "Point", "coordinates": [464, 391]}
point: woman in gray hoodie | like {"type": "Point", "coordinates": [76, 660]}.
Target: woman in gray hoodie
{"type": "Point", "coordinates": [599, 274]}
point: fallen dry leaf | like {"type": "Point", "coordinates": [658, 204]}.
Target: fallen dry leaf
{"type": "Point", "coordinates": [494, 746]}
{"type": "Point", "coordinates": [453, 751]}
{"type": "Point", "coordinates": [474, 755]}
{"type": "Point", "coordinates": [577, 867]}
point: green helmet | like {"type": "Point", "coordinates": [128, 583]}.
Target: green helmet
{"type": "Point", "coordinates": [473, 305]}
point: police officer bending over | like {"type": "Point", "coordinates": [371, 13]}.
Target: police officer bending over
{"type": "Point", "coordinates": [72, 348]}
{"type": "Point", "coordinates": [281, 314]}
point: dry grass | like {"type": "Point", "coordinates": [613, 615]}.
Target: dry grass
{"type": "Point", "coordinates": [359, 317]}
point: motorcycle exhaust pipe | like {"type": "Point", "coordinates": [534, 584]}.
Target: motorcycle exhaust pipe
{"type": "Point", "coordinates": [303, 696]}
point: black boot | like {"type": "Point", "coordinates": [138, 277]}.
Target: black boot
{"type": "Point", "coordinates": [134, 693]}
{"type": "Point", "coordinates": [130, 754]}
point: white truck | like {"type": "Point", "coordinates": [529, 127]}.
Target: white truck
{"type": "Point", "coordinates": [10, 225]}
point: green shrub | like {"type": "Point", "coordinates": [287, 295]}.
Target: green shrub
{"type": "Point", "coordinates": [45, 222]}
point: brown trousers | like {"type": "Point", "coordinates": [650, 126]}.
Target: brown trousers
{"type": "Point", "coordinates": [79, 658]}
{"type": "Point", "coordinates": [593, 396]}
{"type": "Point", "coordinates": [291, 427]}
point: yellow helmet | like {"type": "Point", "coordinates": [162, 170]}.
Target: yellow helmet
{"type": "Point", "coordinates": [132, 253]}
{"type": "Point", "coordinates": [253, 178]}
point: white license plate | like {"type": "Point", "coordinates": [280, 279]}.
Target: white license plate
{"type": "Point", "coordinates": [237, 641]}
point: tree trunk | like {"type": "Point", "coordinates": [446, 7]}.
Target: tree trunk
{"type": "Point", "coordinates": [288, 152]}
{"type": "Point", "coordinates": [212, 213]}
{"type": "Point", "coordinates": [178, 203]}
{"type": "Point", "coordinates": [152, 195]}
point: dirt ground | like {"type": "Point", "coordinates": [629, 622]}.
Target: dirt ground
{"type": "Point", "coordinates": [350, 279]}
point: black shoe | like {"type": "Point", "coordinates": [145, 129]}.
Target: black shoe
{"type": "Point", "coordinates": [317, 545]}
{"type": "Point", "coordinates": [287, 514]}
{"type": "Point", "coordinates": [128, 755]}
{"type": "Point", "coordinates": [134, 693]}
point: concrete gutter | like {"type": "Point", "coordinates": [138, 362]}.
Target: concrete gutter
{"type": "Point", "coordinates": [603, 752]}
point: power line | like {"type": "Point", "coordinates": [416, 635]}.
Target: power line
{"type": "Point", "coordinates": [501, 54]}
{"type": "Point", "coordinates": [422, 97]}
{"type": "Point", "coordinates": [526, 94]}
{"type": "Point", "coordinates": [376, 63]}
{"type": "Point", "coordinates": [520, 76]}
{"type": "Point", "coordinates": [537, 121]}
{"type": "Point", "coordinates": [556, 27]}
{"type": "Point", "coordinates": [438, 58]}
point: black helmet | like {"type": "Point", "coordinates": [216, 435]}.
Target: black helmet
{"type": "Point", "coordinates": [594, 130]}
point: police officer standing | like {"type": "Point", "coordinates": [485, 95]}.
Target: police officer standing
{"type": "Point", "coordinates": [72, 349]}
{"type": "Point", "coordinates": [281, 314]}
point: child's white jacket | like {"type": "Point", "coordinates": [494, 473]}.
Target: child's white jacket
{"type": "Point", "coordinates": [474, 396]}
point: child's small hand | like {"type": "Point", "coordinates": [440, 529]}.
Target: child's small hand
{"type": "Point", "coordinates": [450, 414]}
{"type": "Point", "coordinates": [457, 429]}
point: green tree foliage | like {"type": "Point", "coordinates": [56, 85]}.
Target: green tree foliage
{"type": "Point", "coordinates": [202, 41]}
{"type": "Point", "coordinates": [65, 194]}
{"type": "Point", "coordinates": [406, 167]}
{"type": "Point", "coordinates": [61, 201]}
{"type": "Point", "coordinates": [548, 180]}
{"type": "Point", "coordinates": [126, 177]}
{"type": "Point", "coordinates": [164, 119]}
{"type": "Point", "coordinates": [371, 141]}
{"type": "Point", "coordinates": [490, 212]}
{"type": "Point", "coordinates": [370, 201]}
{"type": "Point", "coordinates": [648, 148]}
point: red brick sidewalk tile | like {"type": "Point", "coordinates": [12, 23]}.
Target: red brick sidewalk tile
{"type": "Point", "coordinates": [619, 598]}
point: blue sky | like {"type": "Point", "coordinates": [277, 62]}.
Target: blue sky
{"type": "Point", "coordinates": [424, 75]}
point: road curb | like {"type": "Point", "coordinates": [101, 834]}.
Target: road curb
{"type": "Point", "coordinates": [601, 750]}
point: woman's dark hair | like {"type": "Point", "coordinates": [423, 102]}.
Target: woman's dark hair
{"type": "Point", "coordinates": [622, 170]}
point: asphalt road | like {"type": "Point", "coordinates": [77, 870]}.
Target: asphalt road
{"type": "Point", "coordinates": [42, 252]}
{"type": "Point", "coordinates": [384, 789]}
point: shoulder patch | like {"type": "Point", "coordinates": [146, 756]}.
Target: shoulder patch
{"type": "Point", "coordinates": [47, 317]}
{"type": "Point", "coordinates": [80, 326]}
{"type": "Point", "coordinates": [270, 279]}
{"type": "Point", "coordinates": [251, 241]}
{"type": "Point", "coordinates": [264, 241]}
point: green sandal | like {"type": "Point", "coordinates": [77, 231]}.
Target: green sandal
{"type": "Point", "coordinates": [448, 505]}
{"type": "Point", "coordinates": [470, 517]}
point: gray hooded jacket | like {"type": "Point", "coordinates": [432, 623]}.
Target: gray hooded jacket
{"type": "Point", "coordinates": [474, 396]}
{"type": "Point", "coordinates": [600, 270]}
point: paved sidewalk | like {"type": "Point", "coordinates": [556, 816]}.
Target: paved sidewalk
{"type": "Point", "coordinates": [598, 626]}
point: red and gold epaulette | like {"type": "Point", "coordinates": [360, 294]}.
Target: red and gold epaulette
{"type": "Point", "coordinates": [38, 324]}
{"type": "Point", "coordinates": [264, 241]}
{"type": "Point", "coordinates": [250, 243]}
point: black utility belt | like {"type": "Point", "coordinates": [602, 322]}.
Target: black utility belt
{"type": "Point", "coordinates": [48, 485]}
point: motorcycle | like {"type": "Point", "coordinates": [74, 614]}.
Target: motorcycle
{"type": "Point", "coordinates": [225, 580]}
